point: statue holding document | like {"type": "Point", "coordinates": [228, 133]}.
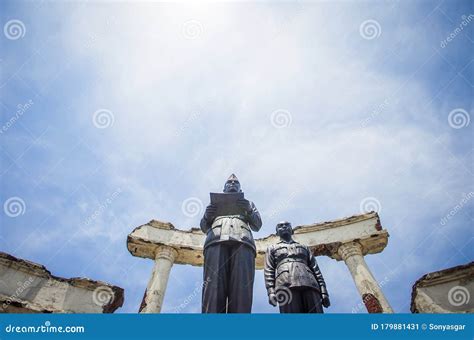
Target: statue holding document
{"type": "Point", "coordinates": [229, 250]}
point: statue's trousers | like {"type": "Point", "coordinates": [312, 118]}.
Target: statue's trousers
{"type": "Point", "coordinates": [229, 271]}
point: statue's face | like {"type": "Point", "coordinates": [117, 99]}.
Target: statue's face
{"type": "Point", "coordinates": [284, 229]}
{"type": "Point", "coordinates": [232, 186]}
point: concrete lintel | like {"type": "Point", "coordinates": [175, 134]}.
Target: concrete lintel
{"type": "Point", "coordinates": [28, 287]}
{"type": "Point", "coordinates": [445, 291]}
{"type": "Point", "coordinates": [323, 238]}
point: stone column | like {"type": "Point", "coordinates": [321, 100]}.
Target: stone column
{"type": "Point", "coordinates": [370, 291]}
{"type": "Point", "coordinates": [155, 292]}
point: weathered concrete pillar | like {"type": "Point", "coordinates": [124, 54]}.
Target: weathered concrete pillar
{"type": "Point", "coordinates": [370, 291]}
{"type": "Point", "coordinates": [155, 292]}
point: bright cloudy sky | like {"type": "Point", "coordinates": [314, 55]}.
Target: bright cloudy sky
{"type": "Point", "coordinates": [315, 106]}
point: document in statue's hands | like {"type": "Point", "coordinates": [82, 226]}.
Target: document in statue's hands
{"type": "Point", "coordinates": [226, 203]}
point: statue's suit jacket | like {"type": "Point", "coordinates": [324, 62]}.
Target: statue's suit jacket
{"type": "Point", "coordinates": [292, 265]}
{"type": "Point", "coordinates": [236, 228]}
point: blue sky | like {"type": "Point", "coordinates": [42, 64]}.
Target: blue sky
{"type": "Point", "coordinates": [314, 105]}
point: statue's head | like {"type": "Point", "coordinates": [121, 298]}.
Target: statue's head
{"type": "Point", "coordinates": [232, 184]}
{"type": "Point", "coordinates": [284, 228]}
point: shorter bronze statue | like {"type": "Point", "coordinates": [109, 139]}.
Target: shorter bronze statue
{"type": "Point", "coordinates": [292, 276]}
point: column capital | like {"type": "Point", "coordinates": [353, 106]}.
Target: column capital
{"type": "Point", "coordinates": [166, 252]}
{"type": "Point", "coordinates": [349, 249]}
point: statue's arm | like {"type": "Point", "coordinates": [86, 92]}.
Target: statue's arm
{"type": "Point", "coordinates": [317, 273]}
{"type": "Point", "coordinates": [254, 218]}
{"type": "Point", "coordinates": [208, 218]}
{"type": "Point", "coordinates": [205, 225]}
{"type": "Point", "coordinates": [269, 271]}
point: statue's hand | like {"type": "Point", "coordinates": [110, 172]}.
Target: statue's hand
{"type": "Point", "coordinates": [210, 213]}
{"type": "Point", "coordinates": [244, 204]}
{"type": "Point", "coordinates": [325, 300]}
{"type": "Point", "coordinates": [272, 299]}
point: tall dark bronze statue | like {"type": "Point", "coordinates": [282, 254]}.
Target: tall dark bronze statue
{"type": "Point", "coordinates": [292, 275]}
{"type": "Point", "coordinates": [229, 251]}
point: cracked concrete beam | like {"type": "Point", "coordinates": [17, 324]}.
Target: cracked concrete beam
{"type": "Point", "coordinates": [28, 287]}
{"type": "Point", "coordinates": [445, 291]}
{"type": "Point", "coordinates": [323, 239]}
